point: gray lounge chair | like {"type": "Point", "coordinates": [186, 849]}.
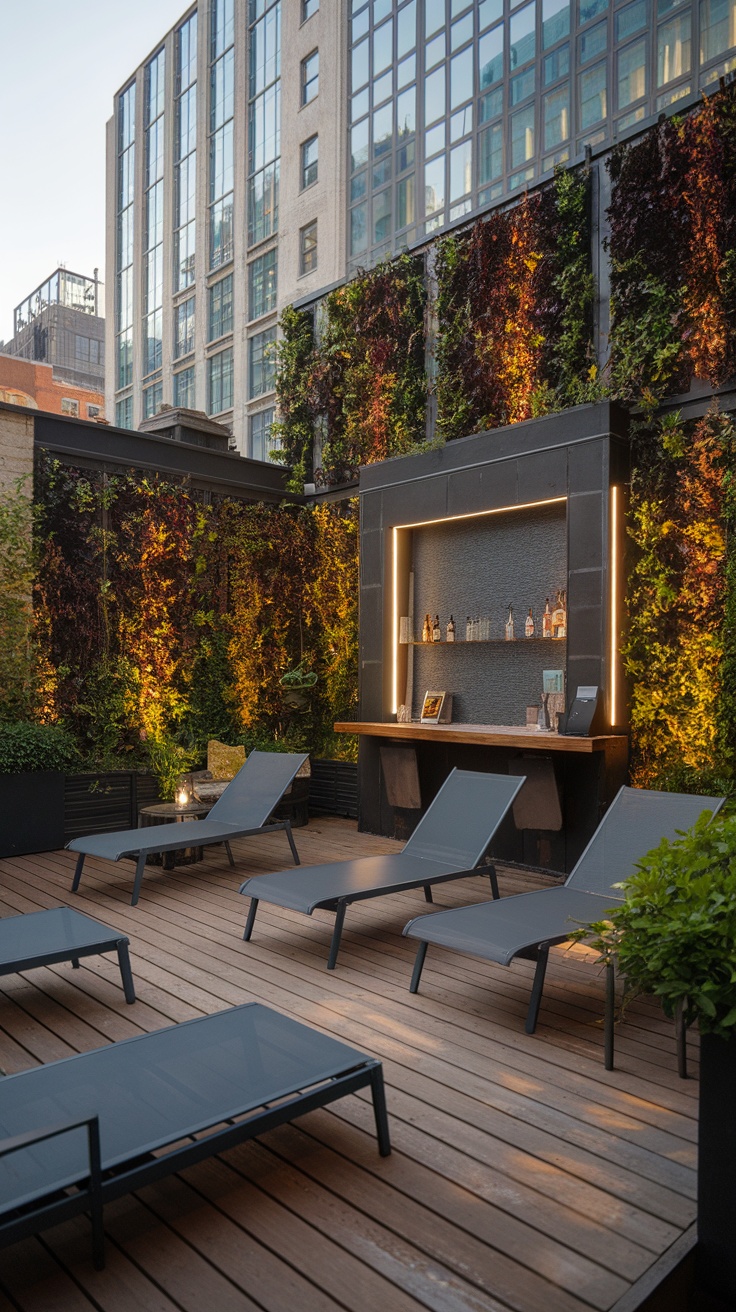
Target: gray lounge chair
{"type": "Point", "coordinates": [100, 1120]}
{"type": "Point", "coordinates": [529, 924]}
{"type": "Point", "coordinates": [449, 841]}
{"type": "Point", "coordinates": [43, 938]}
{"type": "Point", "coordinates": [243, 809]}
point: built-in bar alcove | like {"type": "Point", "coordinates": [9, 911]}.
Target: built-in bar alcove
{"type": "Point", "coordinates": [498, 518]}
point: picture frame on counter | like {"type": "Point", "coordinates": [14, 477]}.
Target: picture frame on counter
{"type": "Point", "coordinates": [436, 708]}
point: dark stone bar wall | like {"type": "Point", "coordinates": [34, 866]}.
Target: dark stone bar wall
{"type": "Point", "coordinates": [579, 455]}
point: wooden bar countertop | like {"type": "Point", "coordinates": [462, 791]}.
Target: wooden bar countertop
{"type": "Point", "coordinates": [484, 735]}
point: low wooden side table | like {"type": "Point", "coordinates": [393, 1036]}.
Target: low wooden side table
{"type": "Point", "coordinates": [170, 813]}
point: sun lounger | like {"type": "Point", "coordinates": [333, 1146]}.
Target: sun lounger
{"type": "Point", "coordinates": [448, 843]}
{"type": "Point", "coordinates": [42, 938]}
{"type": "Point", "coordinates": [243, 809]}
{"type": "Point", "coordinates": [88, 1129]}
{"type": "Point", "coordinates": [529, 924]}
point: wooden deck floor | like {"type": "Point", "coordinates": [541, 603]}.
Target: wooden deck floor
{"type": "Point", "coordinates": [523, 1176]}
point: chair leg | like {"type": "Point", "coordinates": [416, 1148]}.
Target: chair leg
{"type": "Point", "coordinates": [428, 893]}
{"type": "Point", "coordinates": [292, 844]}
{"type": "Point", "coordinates": [418, 965]}
{"type": "Point", "coordinates": [140, 866]}
{"type": "Point", "coordinates": [537, 987]}
{"type": "Point", "coordinates": [75, 963]}
{"type": "Point", "coordinates": [494, 882]}
{"type": "Point", "coordinates": [229, 853]}
{"type": "Point", "coordinates": [379, 1110]}
{"type": "Point", "coordinates": [609, 1018]}
{"type": "Point", "coordinates": [95, 1192]}
{"type": "Point", "coordinates": [251, 919]}
{"type": "Point", "coordinates": [680, 1041]}
{"type": "Point", "coordinates": [126, 973]}
{"type": "Point", "coordinates": [337, 933]}
{"type": "Point", "coordinates": [78, 872]}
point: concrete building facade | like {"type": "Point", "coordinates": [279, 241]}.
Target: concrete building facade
{"type": "Point", "coordinates": [60, 324]}
{"type": "Point", "coordinates": [267, 149]}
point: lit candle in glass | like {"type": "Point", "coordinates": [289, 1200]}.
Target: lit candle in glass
{"type": "Point", "coordinates": [182, 795]}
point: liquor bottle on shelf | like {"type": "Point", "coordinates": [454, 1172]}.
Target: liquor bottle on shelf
{"type": "Point", "coordinates": [436, 630]}
{"type": "Point", "coordinates": [529, 625]}
{"type": "Point", "coordinates": [546, 621]}
{"type": "Point", "coordinates": [427, 629]}
{"type": "Point", "coordinates": [468, 629]}
{"type": "Point", "coordinates": [510, 625]}
{"type": "Point", "coordinates": [451, 630]}
{"type": "Point", "coordinates": [559, 617]}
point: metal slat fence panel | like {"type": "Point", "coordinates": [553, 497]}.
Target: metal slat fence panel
{"type": "Point", "coordinates": [334, 788]}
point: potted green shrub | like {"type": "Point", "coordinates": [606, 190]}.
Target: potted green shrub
{"type": "Point", "coordinates": [674, 936]}
{"type": "Point", "coordinates": [33, 761]}
{"type": "Point", "coordinates": [297, 683]}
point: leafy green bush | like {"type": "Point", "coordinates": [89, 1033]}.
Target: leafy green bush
{"type": "Point", "coordinates": [30, 747]}
{"type": "Point", "coordinates": [675, 934]}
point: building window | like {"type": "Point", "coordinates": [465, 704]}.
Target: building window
{"type": "Point", "coordinates": [222, 67]}
{"type": "Point", "coordinates": [310, 77]}
{"type": "Point", "coordinates": [69, 407]}
{"type": "Point", "coordinates": [309, 162]}
{"type": "Point", "coordinates": [309, 7]}
{"type": "Point", "coordinates": [593, 100]}
{"type": "Point", "coordinates": [184, 328]}
{"type": "Point", "coordinates": [221, 308]}
{"type": "Point", "coordinates": [673, 49]}
{"type": "Point", "coordinates": [87, 349]}
{"type": "Point", "coordinates": [308, 248]}
{"type": "Point", "coordinates": [124, 412]}
{"type": "Point", "coordinates": [184, 389]}
{"type": "Point", "coordinates": [185, 153]}
{"type": "Point", "coordinates": [261, 444]}
{"type": "Point", "coordinates": [152, 399]}
{"type": "Point", "coordinates": [93, 411]}
{"type": "Point", "coordinates": [124, 238]}
{"type": "Point", "coordinates": [264, 119]}
{"type": "Point", "coordinates": [153, 212]}
{"type": "Point", "coordinates": [220, 381]}
{"type": "Point", "coordinates": [717, 28]}
{"type": "Point", "coordinates": [261, 362]}
{"type": "Point", "coordinates": [262, 285]}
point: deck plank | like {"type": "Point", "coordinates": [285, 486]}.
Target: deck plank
{"type": "Point", "coordinates": [524, 1177]}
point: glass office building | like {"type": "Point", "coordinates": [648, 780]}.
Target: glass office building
{"type": "Point", "coordinates": [267, 149]}
{"type": "Point", "coordinates": [454, 105]}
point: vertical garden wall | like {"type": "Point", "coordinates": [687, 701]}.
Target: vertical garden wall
{"type": "Point", "coordinates": [355, 380]}
{"type": "Point", "coordinates": [511, 302]}
{"type": "Point", "coordinates": [162, 622]}
{"type": "Point", "coordinates": [673, 291]}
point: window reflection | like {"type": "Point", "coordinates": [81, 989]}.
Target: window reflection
{"type": "Point", "coordinates": [673, 49]}
{"type": "Point", "coordinates": [632, 73]}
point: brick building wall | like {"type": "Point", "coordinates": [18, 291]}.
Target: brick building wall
{"type": "Point", "coordinates": [38, 382]}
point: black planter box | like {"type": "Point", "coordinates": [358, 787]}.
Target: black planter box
{"type": "Point", "coordinates": [32, 812]}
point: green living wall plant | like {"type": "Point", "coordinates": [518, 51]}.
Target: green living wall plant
{"type": "Point", "coordinates": [358, 382]}
{"type": "Point", "coordinates": [673, 256]}
{"type": "Point", "coordinates": [164, 622]}
{"type": "Point", "coordinates": [18, 682]}
{"type": "Point", "coordinates": [679, 651]}
{"type": "Point", "coordinates": [514, 303]}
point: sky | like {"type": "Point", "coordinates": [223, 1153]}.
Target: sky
{"type": "Point", "coordinates": [60, 66]}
